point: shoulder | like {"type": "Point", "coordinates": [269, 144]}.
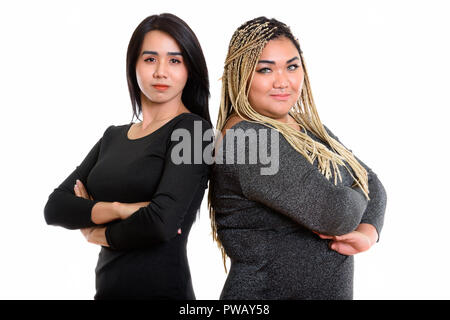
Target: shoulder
{"type": "Point", "coordinates": [190, 127]}
{"type": "Point", "coordinates": [115, 129]}
{"type": "Point", "coordinates": [236, 122]}
{"type": "Point", "coordinates": [190, 121]}
{"type": "Point", "coordinates": [240, 136]}
{"type": "Point", "coordinates": [231, 122]}
{"type": "Point", "coordinates": [330, 133]}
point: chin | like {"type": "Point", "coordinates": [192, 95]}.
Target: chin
{"type": "Point", "coordinates": [277, 113]}
{"type": "Point", "coordinates": [160, 99]}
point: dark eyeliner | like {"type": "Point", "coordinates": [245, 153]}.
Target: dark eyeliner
{"type": "Point", "coordinates": [262, 69]}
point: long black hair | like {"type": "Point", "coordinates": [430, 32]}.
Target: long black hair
{"type": "Point", "coordinates": [196, 91]}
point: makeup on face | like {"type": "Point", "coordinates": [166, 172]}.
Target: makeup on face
{"type": "Point", "coordinates": [174, 58]}
{"type": "Point", "coordinates": [290, 67]}
{"type": "Point", "coordinates": [160, 87]}
{"type": "Point", "coordinates": [281, 96]}
{"type": "Point", "coordinates": [277, 80]}
{"type": "Point", "coordinates": [278, 93]}
{"type": "Point", "coordinates": [160, 70]}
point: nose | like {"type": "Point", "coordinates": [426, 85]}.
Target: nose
{"type": "Point", "coordinates": [280, 81]}
{"type": "Point", "coordinates": [160, 71]}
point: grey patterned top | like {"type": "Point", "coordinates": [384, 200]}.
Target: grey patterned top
{"type": "Point", "coordinates": [265, 221]}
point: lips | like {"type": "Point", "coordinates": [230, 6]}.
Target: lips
{"type": "Point", "coordinates": [281, 96]}
{"type": "Point", "coordinates": [160, 87]}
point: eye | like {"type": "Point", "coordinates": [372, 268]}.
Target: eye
{"type": "Point", "coordinates": [264, 70]}
{"type": "Point", "coordinates": [175, 61]}
{"type": "Point", "coordinates": [151, 59]}
{"type": "Point", "coordinates": [293, 67]}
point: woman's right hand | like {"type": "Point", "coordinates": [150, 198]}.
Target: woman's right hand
{"type": "Point", "coordinates": [125, 210]}
{"type": "Point", "coordinates": [348, 244]}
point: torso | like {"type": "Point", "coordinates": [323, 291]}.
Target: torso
{"type": "Point", "coordinates": [131, 171]}
{"type": "Point", "coordinates": [276, 257]}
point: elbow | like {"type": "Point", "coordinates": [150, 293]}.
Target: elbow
{"type": "Point", "coordinates": [338, 226]}
{"type": "Point", "coordinates": [163, 221]}
{"type": "Point", "coordinates": [347, 224]}
{"type": "Point", "coordinates": [53, 212]}
{"type": "Point", "coordinates": [164, 231]}
{"type": "Point", "coordinates": [352, 205]}
{"type": "Point", "coordinates": [50, 216]}
{"type": "Point", "coordinates": [165, 234]}
{"type": "Point", "coordinates": [347, 212]}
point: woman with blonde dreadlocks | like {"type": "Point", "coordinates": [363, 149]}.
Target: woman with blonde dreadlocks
{"type": "Point", "coordinates": [296, 205]}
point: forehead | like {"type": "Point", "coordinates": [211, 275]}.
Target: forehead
{"type": "Point", "coordinates": [160, 41]}
{"type": "Point", "coordinates": [279, 49]}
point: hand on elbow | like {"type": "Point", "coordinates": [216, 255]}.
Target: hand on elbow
{"type": "Point", "coordinates": [125, 210]}
{"type": "Point", "coordinates": [95, 235]}
{"type": "Point", "coordinates": [348, 244]}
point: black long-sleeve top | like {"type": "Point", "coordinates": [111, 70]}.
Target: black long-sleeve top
{"type": "Point", "coordinates": [146, 257]}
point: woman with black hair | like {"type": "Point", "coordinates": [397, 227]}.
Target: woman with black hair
{"type": "Point", "coordinates": [131, 194]}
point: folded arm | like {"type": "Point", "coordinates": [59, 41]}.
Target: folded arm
{"type": "Point", "coordinates": [298, 190]}
{"type": "Point", "coordinates": [63, 207]}
{"type": "Point", "coordinates": [161, 219]}
{"type": "Point", "coordinates": [376, 206]}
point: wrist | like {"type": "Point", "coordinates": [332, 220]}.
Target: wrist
{"type": "Point", "coordinates": [117, 208]}
{"type": "Point", "coordinates": [97, 236]}
{"type": "Point", "coordinates": [369, 231]}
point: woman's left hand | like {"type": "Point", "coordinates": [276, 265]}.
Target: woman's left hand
{"type": "Point", "coordinates": [80, 190]}
{"type": "Point", "coordinates": [348, 244]}
{"type": "Point", "coordinates": [95, 235]}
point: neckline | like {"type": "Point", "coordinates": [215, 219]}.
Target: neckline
{"type": "Point", "coordinates": [150, 134]}
{"type": "Point", "coordinates": [302, 129]}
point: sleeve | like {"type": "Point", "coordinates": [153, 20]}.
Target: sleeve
{"type": "Point", "coordinates": [298, 190]}
{"type": "Point", "coordinates": [63, 207]}
{"type": "Point", "coordinates": [160, 220]}
{"type": "Point", "coordinates": [376, 207]}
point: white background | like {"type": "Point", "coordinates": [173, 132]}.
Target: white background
{"type": "Point", "coordinates": [379, 72]}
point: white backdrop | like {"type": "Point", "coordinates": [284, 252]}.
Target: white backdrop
{"type": "Point", "coordinates": [379, 72]}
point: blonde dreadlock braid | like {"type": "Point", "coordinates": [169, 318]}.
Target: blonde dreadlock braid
{"type": "Point", "coordinates": [244, 50]}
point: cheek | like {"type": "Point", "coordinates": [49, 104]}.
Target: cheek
{"type": "Point", "coordinates": [180, 76]}
{"type": "Point", "coordinates": [142, 75]}
{"type": "Point", "coordinates": [253, 96]}
{"type": "Point", "coordinates": [296, 83]}
{"type": "Point", "coordinates": [257, 91]}
{"type": "Point", "coordinates": [261, 84]}
{"type": "Point", "coordinates": [140, 81]}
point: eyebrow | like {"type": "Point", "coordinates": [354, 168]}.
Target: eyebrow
{"type": "Point", "coordinates": [168, 53]}
{"type": "Point", "coordinates": [273, 62]}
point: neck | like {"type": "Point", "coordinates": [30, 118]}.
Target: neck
{"type": "Point", "coordinates": [287, 118]}
{"type": "Point", "coordinates": [155, 112]}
